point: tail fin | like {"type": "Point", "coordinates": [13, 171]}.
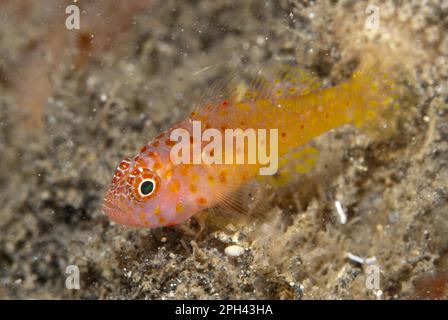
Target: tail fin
{"type": "Point", "coordinates": [374, 83]}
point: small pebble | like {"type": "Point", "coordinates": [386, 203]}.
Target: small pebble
{"type": "Point", "coordinates": [103, 98]}
{"type": "Point", "coordinates": [234, 251]}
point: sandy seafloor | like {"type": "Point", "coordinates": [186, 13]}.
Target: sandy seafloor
{"type": "Point", "coordinates": [72, 105]}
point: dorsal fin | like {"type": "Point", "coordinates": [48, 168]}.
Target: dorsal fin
{"type": "Point", "coordinates": [222, 90]}
{"type": "Point", "coordinates": [279, 82]}
{"type": "Point", "coordinates": [274, 82]}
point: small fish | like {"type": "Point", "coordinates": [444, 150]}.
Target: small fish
{"type": "Point", "coordinates": [150, 190]}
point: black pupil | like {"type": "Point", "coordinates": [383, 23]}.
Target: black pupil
{"type": "Point", "coordinates": [147, 187]}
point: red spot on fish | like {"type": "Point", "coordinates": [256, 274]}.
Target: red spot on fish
{"type": "Point", "coordinates": [170, 143]}
{"type": "Point", "coordinates": [201, 201]}
{"type": "Point", "coordinates": [118, 174]}
{"type": "Point", "coordinates": [144, 149]}
{"type": "Point", "coordinates": [223, 177]}
{"type": "Point", "coordinates": [124, 165]}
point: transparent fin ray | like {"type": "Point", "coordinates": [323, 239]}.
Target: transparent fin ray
{"type": "Point", "coordinates": [271, 83]}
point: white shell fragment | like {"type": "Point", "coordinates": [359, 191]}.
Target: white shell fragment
{"type": "Point", "coordinates": [360, 260]}
{"type": "Point", "coordinates": [355, 258]}
{"type": "Point", "coordinates": [234, 251]}
{"type": "Point", "coordinates": [341, 213]}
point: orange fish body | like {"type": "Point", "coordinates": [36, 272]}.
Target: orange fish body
{"type": "Point", "coordinates": [152, 190]}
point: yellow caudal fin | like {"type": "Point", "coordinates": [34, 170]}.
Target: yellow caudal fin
{"type": "Point", "coordinates": [375, 91]}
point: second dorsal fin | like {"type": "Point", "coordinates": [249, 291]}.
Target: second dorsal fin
{"type": "Point", "coordinates": [283, 81]}
{"type": "Point", "coordinates": [273, 82]}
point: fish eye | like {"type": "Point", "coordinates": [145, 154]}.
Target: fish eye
{"type": "Point", "coordinates": [144, 184]}
{"type": "Point", "coordinates": [146, 187]}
